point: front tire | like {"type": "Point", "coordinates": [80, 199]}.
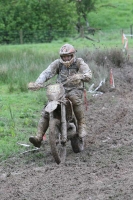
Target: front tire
{"type": "Point", "coordinates": [58, 150]}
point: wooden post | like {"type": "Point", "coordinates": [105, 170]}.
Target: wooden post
{"type": "Point", "coordinates": [21, 36]}
{"type": "Point", "coordinates": [131, 30]}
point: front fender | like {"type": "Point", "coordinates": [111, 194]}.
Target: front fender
{"type": "Point", "coordinates": [51, 106]}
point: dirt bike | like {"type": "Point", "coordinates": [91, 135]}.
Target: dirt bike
{"type": "Point", "coordinates": [62, 123]}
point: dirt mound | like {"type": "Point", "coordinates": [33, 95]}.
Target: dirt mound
{"type": "Point", "coordinates": [104, 170]}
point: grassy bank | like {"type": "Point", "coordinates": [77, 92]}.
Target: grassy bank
{"type": "Point", "coordinates": [19, 114]}
{"type": "Point", "coordinates": [112, 14]}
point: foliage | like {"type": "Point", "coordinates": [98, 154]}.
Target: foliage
{"type": "Point", "coordinates": [21, 17]}
{"type": "Point", "coordinates": [112, 57]}
{"type": "Point", "coordinates": [39, 21]}
{"type": "Point", "coordinates": [84, 7]}
{"type": "Point", "coordinates": [109, 57]}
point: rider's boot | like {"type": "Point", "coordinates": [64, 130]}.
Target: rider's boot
{"type": "Point", "coordinates": [80, 116]}
{"type": "Point", "coordinates": [42, 128]}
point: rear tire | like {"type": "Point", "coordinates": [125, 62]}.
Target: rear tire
{"type": "Point", "coordinates": [58, 150]}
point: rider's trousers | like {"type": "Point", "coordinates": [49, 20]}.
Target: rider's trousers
{"type": "Point", "coordinates": [76, 96]}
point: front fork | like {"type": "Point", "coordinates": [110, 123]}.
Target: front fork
{"type": "Point", "coordinates": [63, 123]}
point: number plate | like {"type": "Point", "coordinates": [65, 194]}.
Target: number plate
{"type": "Point", "coordinates": [53, 88]}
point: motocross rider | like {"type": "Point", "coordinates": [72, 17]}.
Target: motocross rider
{"type": "Point", "coordinates": [75, 71]}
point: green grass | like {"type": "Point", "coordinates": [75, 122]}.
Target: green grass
{"type": "Point", "coordinates": [19, 114]}
{"type": "Point", "coordinates": [114, 14]}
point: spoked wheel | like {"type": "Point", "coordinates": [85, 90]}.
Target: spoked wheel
{"type": "Point", "coordinates": [77, 144]}
{"type": "Point", "coordinates": [58, 150]}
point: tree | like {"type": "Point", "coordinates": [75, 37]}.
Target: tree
{"type": "Point", "coordinates": [37, 15]}
{"type": "Point", "coordinates": [83, 7]}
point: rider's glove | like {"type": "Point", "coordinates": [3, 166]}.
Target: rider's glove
{"type": "Point", "coordinates": [76, 78]}
{"type": "Point", "coordinates": [34, 86]}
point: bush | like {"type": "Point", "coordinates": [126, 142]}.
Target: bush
{"type": "Point", "coordinates": [109, 57]}
{"type": "Point", "coordinates": [117, 57]}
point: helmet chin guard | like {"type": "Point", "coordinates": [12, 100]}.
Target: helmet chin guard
{"type": "Point", "coordinates": [68, 63]}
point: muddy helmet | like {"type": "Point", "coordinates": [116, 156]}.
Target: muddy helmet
{"type": "Point", "coordinates": [67, 49]}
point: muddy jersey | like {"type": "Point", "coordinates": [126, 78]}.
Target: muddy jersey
{"type": "Point", "coordinates": [63, 72]}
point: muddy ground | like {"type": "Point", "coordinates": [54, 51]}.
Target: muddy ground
{"type": "Point", "coordinates": [103, 171]}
